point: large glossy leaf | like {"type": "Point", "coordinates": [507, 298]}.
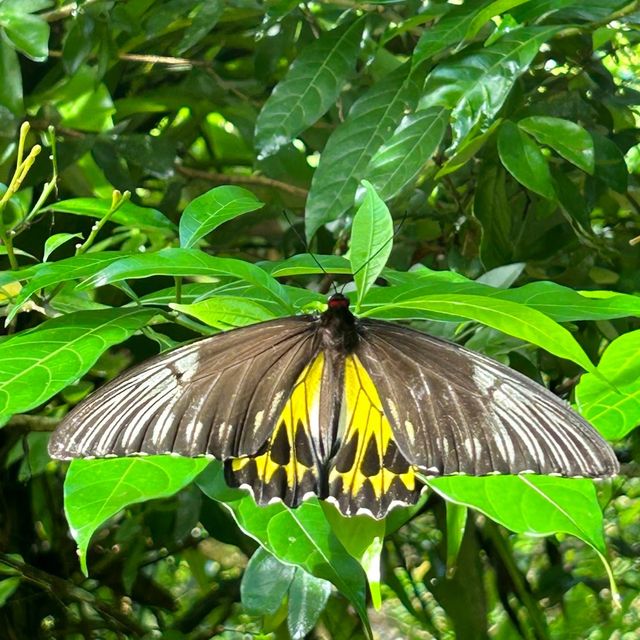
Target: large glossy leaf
{"type": "Point", "coordinates": [208, 211]}
{"type": "Point", "coordinates": [351, 146]}
{"type": "Point", "coordinates": [186, 262]}
{"type": "Point", "coordinates": [509, 317]}
{"type": "Point", "coordinates": [129, 214]}
{"type": "Point", "coordinates": [11, 85]}
{"type": "Point", "coordinates": [35, 365]}
{"type": "Point", "coordinates": [51, 273]}
{"type": "Point", "coordinates": [562, 304]}
{"type": "Point", "coordinates": [540, 505]}
{"type": "Point", "coordinates": [569, 139]}
{"type": "Point", "coordinates": [399, 161]}
{"type": "Point", "coordinates": [371, 241]}
{"type": "Point", "coordinates": [524, 160]}
{"type": "Point", "coordinates": [300, 536]}
{"type": "Point", "coordinates": [475, 84]}
{"type": "Point", "coordinates": [310, 87]}
{"type": "Point", "coordinates": [95, 490]}
{"type": "Point", "coordinates": [614, 408]}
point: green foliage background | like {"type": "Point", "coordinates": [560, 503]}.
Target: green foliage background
{"type": "Point", "coordinates": [143, 206]}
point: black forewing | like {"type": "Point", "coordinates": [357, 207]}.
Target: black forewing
{"type": "Point", "coordinates": [219, 395]}
{"type": "Point", "coordinates": [453, 410]}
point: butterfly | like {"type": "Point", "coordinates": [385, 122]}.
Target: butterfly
{"type": "Point", "coordinates": [354, 411]}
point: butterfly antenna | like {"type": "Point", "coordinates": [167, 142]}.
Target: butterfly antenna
{"type": "Point", "coordinates": [306, 249]}
{"type": "Point", "coordinates": [391, 239]}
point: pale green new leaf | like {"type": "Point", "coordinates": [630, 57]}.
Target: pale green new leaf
{"type": "Point", "coordinates": [614, 408]}
{"type": "Point", "coordinates": [95, 490]}
{"type": "Point", "coordinates": [371, 241]}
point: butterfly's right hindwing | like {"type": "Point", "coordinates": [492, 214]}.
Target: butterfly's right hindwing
{"type": "Point", "coordinates": [219, 396]}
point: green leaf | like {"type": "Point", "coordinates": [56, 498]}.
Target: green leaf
{"type": "Point", "coordinates": [29, 34]}
{"type": "Point", "coordinates": [559, 303]}
{"type": "Point", "coordinates": [448, 31]}
{"type": "Point", "coordinates": [208, 211]}
{"type": "Point", "coordinates": [486, 13]}
{"type": "Point", "coordinates": [95, 490]}
{"type": "Point", "coordinates": [8, 587]}
{"type": "Point", "coordinates": [203, 20]}
{"type": "Point", "coordinates": [224, 312]}
{"type": "Point", "coordinates": [36, 364]}
{"type": "Point", "coordinates": [491, 207]}
{"type": "Point", "coordinates": [186, 262]}
{"type": "Point", "coordinates": [306, 264]}
{"type": "Point", "coordinates": [265, 583]}
{"type": "Point", "coordinates": [523, 159]}
{"type": "Point", "coordinates": [614, 409]}
{"type": "Point", "coordinates": [611, 167]}
{"type": "Point", "coordinates": [351, 146]}
{"type": "Point", "coordinates": [509, 317]}
{"type": "Point", "coordinates": [362, 537]}
{"type": "Point", "coordinates": [371, 241]}
{"type": "Point", "coordinates": [539, 505]}
{"type": "Point", "coordinates": [310, 88]}
{"type": "Point", "coordinates": [456, 525]}
{"type": "Point", "coordinates": [308, 596]}
{"type": "Point", "coordinates": [476, 83]}
{"type": "Point", "coordinates": [11, 85]}
{"type": "Point", "coordinates": [50, 273]}
{"type": "Point", "coordinates": [128, 215]}
{"type": "Point", "coordinates": [301, 536]}
{"type": "Point", "coordinates": [399, 161]}
{"type": "Point", "coordinates": [57, 240]}
{"type": "Point", "coordinates": [570, 140]}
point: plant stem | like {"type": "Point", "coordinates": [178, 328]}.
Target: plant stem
{"type": "Point", "coordinates": [118, 199]}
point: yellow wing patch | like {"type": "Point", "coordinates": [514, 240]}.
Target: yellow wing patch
{"type": "Point", "coordinates": [368, 471]}
{"type": "Point", "coordinates": [287, 465]}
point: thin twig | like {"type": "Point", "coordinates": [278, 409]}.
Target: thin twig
{"type": "Point", "coordinates": [224, 178]}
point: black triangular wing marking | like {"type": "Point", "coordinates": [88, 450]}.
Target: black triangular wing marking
{"type": "Point", "coordinates": [456, 411]}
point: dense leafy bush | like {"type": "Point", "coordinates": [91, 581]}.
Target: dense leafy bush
{"type": "Point", "coordinates": [163, 167]}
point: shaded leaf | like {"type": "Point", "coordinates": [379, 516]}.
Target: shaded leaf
{"type": "Point", "coordinates": [29, 33]}
{"type": "Point", "coordinates": [399, 161]}
{"type": "Point", "coordinates": [346, 156]}
{"type": "Point", "coordinates": [310, 88]}
{"type": "Point", "coordinates": [223, 312]}
{"type": "Point", "coordinates": [523, 159]}
{"type": "Point", "coordinates": [265, 583]}
{"type": "Point", "coordinates": [308, 596]}
{"type": "Point", "coordinates": [570, 140]}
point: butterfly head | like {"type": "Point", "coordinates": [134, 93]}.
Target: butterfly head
{"type": "Point", "coordinates": [338, 301]}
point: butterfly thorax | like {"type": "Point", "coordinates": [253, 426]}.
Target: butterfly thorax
{"type": "Point", "coordinates": [339, 327]}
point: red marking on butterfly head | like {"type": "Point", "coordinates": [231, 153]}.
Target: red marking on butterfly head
{"type": "Point", "coordinates": [338, 301]}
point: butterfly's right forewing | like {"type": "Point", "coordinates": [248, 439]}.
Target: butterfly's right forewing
{"type": "Point", "coordinates": [219, 396]}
